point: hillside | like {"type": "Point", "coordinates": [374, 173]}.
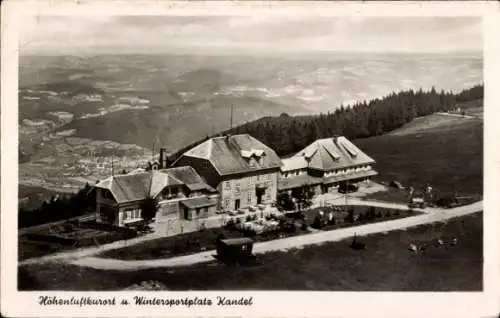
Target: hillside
{"type": "Point", "coordinates": [450, 157]}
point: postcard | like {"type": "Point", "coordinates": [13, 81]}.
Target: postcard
{"type": "Point", "coordinates": [261, 159]}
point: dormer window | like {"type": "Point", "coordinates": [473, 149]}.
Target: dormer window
{"type": "Point", "coordinates": [253, 156]}
{"type": "Point", "coordinates": [251, 162]}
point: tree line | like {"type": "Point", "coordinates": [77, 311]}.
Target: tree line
{"type": "Point", "coordinates": [289, 134]}
{"type": "Point", "coordinates": [59, 207]}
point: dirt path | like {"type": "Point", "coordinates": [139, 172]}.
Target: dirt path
{"type": "Point", "coordinates": [286, 243]}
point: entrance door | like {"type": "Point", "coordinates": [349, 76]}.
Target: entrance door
{"type": "Point", "coordinates": [259, 193]}
{"type": "Point", "coordinates": [236, 204]}
{"type": "Point", "coordinates": [186, 214]}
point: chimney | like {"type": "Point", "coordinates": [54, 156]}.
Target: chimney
{"type": "Point", "coordinates": [163, 158]}
{"type": "Point", "coordinates": [335, 138]}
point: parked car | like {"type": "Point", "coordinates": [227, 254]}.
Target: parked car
{"type": "Point", "coordinates": [417, 203]}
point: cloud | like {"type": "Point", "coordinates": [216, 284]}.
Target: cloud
{"type": "Point", "coordinates": [265, 33]}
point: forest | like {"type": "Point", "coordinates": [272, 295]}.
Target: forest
{"type": "Point", "coordinates": [59, 207]}
{"type": "Point", "coordinates": [289, 134]}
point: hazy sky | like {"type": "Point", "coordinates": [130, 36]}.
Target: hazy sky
{"type": "Point", "coordinates": [257, 34]}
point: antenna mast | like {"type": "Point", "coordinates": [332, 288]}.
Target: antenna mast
{"type": "Point", "coordinates": [153, 152]}
{"type": "Point", "coordinates": [231, 125]}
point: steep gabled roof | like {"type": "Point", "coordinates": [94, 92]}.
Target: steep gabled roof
{"type": "Point", "coordinates": [333, 153]}
{"type": "Point", "coordinates": [137, 186]}
{"type": "Point", "coordinates": [127, 187]}
{"type": "Point", "coordinates": [235, 154]}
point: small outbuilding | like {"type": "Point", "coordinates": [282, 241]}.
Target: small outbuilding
{"type": "Point", "coordinates": [236, 249]}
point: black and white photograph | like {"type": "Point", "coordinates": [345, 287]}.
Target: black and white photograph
{"type": "Point", "coordinates": [245, 152]}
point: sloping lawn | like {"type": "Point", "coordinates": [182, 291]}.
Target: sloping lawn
{"type": "Point", "coordinates": [450, 159]}
{"type": "Point", "coordinates": [385, 265]}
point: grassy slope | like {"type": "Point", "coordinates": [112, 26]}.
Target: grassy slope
{"type": "Point", "coordinates": [386, 265]}
{"type": "Point", "coordinates": [449, 157]}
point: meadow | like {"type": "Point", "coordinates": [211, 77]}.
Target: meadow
{"type": "Point", "coordinates": [447, 157]}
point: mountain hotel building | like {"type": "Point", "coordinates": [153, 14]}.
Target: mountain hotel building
{"type": "Point", "coordinates": [324, 165]}
{"type": "Point", "coordinates": [242, 169]}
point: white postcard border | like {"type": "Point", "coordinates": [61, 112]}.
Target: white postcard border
{"type": "Point", "coordinates": [289, 304]}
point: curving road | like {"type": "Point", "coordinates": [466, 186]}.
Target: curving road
{"type": "Point", "coordinates": [287, 243]}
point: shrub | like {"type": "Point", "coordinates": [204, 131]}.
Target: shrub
{"type": "Point", "coordinates": [317, 222]}
{"type": "Point", "coordinates": [285, 202]}
{"type": "Point", "coordinates": [362, 217]}
{"type": "Point", "coordinates": [249, 233]}
{"type": "Point", "coordinates": [230, 224]}
{"type": "Point", "coordinates": [350, 216]}
{"type": "Point", "coordinates": [148, 207]}
{"type": "Point", "coordinates": [370, 213]}
{"type": "Point", "coordinates": [446, 201]}
{"type": "Point", "coordinates": [249, 218]}
{"type": "Point", "coordinates": [304, 227]}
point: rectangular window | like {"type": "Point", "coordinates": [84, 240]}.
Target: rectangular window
{"type": "Point", "coordinates": [227, 185]}
{"type": "Point", "coordinates": [249, 180]}
{"type": "Point", "coordinates": [226, 203]}
{"type": "Point", "coordinates": [237, 187]}
{"type": "Point", "coordinates": [258, 178]}
{"type": "Point", "coordinates": [249, 197]}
